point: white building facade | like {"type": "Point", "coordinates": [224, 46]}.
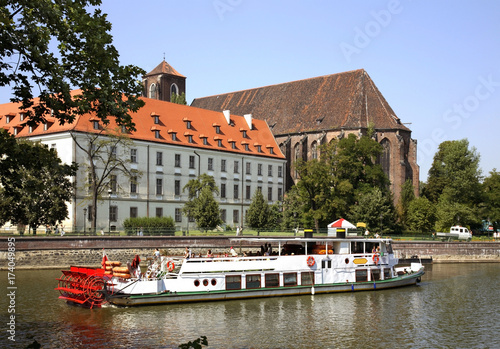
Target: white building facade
{"type": "Point", "coordinates": [171, 145]}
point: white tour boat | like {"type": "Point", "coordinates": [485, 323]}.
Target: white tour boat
{"type": "Point", "coordinates": [281, 267]}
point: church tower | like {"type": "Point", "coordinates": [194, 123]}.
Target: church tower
{"type": "Point", "coordinates": [163, 81]}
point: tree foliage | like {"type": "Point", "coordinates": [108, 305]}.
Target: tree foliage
{"type": "Point", "coordinates": [202, 205]}
{"type": "Point", "coordinates": [35, 184]}
{"type": "Point", "coordinates": [48, 48]}
{"type": "Point", "coordinates": [330, 187]}
{"type": "Point", "coordinates": [421, 215]}
{"type": "Point", "coordinates": [376, 210]}
{"type": "Point", "coordinates": [407, 197]}
{"type": "Point", "coordinates": [258, 214]}
{"type": "Point", "coordinates": [454, 185]}
{"type": "Point", "coordinates": [491, 190]}
{"type": "Point", "coordinates": [179, 99]}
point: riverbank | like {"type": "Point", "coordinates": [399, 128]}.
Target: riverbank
{"type": "Point", "coordinates": [60, 252]}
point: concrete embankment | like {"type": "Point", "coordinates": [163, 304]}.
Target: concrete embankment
{"type": "Point", "coordinates": [61, 252]}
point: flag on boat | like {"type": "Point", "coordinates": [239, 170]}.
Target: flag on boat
{"type": "Point", "coordinates": [104, 259]}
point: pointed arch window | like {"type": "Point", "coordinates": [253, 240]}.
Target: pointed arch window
{"type": "Point", "coordinates": [314, 150]}
{"type": "Point", "coordinates": [152, 91]}
{"type": "Point", "coordinates": [385, 157]}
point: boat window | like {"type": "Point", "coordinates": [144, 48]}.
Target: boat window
{"type": "Point", "coordinates": [253, 281]}
{"type": "Point", "coordinates": [357, 247]}
{"type": "Point", "coordinates": [389, 248]}
{"type": "Point", "coordinates": [233, 282]}
{"type": "Point", "coordinates": [307, 278]}
{"type": "Point", "coordinates": [375, 274]}
{"type": "Point", "coordinates": [326, 263]}
{"type": "Point", "coordinates": [370, 246]}
{"type": "Point", "coordinates": [272, 280]}
{"type": "Point", "coordinates": [290, 279]}
{"type": "Point", "coordinates": [361, 275]}
{"type": "Point", "coordinates": [387, 274]}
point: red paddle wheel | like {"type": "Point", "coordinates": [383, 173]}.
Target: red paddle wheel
{"type": "Point", "coordinates": [85, 286]}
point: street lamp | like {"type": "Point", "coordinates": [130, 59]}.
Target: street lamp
{"type": "Point", "coordinates": [84, 220]}
{"type": "Point", "coordinates": [109, 210]}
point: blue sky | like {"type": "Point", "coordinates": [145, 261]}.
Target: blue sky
{"type": "Point", "coordinates": [436, 62]}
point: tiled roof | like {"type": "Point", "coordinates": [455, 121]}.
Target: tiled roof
{"type": "Point", "coordinates": [347, 100]}
{"type": "Point", "coordinates": [164, 68]}
{"type": "Point", "coordinates": [172, 119]}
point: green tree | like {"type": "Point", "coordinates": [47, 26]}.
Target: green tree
{"type": "Point", "coordinates": [258, 213]}
{"type": "Point", "coordinates": [407, 197]}
{"type": "Point", "coordinates": [179, 99]}
{"type": "Point", "coordinates": [376, 210]}
{"type": "Point", "coordinates": [292, 210]}
{"type": "Point", "coordinates": [84, 58]}
{"type": "Point", "coordinates": [491, 190]}
{"type": "Point", "coordinates": [454, 213]}
{"type": "Point", "coordinates": [42, 186]}
{"type": "Point", "coordinates": [421, 215]}
{"type": "Point", "coordinates": [207, 212]}
{"type": "Point", "coordinates": [201, 204]}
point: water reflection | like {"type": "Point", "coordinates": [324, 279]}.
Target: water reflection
{"type": "Point", "coordinates": [456, 306]}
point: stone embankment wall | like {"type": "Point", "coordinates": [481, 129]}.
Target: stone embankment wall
{"type": "Point", "coordinates": [61, 252]}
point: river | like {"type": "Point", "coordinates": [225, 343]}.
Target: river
{"type": "Point", "coordinates": [455, 306]}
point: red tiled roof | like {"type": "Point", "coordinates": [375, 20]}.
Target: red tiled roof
{"type": "Point", "coordinates": [171, 118]}
{"type": "Point", "coordinates": [164, 68]}
{"type": "Point", "coordinates": [332, 102]}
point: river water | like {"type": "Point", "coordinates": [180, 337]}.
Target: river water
{"type": "Point", "coordinates": [455, 306]}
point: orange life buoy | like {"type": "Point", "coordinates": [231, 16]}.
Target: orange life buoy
{"type": "Point", "coordinates": [170, 265]}
{"type": "Point", "coordinates": [376, 258]}
{"type": "Point", "coordinates": [310, 261]}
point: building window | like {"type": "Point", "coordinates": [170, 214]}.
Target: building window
{"type": "Point", "coordinates": [113, 213]}
{"type": "Point", "coordinates": [270, 194]}
{"type": "Point", "coordinates": [246, 147]}
{"type": "Point", "coordinates": [133, 212]}
{"type": "Point", "coordinates": [159, 158]}
{"type": "Point", "coordinates": [133, 185]}
{"type": "Point", "coordinates": [223, 165]}
{"type": "Point", "coordinates": [244, 133]}
{"type": "Point", "coordinates": [236, 190]}
{"type": "Point", "coordinates": [233, 145]}
{"type": "Point", "coordinates": [205, 141]}
{"type": "Point", "coordinates": [112, 153]}
{"type": "Point", "coordinates": [210, 164]}
{"type": "Point", "coordinates": [159, 186]}
{"type": "Point", "coordinates": [223, 190]}
{"type": "Point", "coordinates": [156, 119]}
{"type": "Point", "coordinates": [191, 161]}
{"type": "Point", "coordinates": [96, 125]}
{"type": "Point", "coordinates": [152, 91]}
{"type": "Point", "coordinates": [174, 136]}
{"type": "Point", "coordinates": [385, 157]}
{"type": "Point", "coordinates": [280, 171]}
{"type": "Point", "coordinates": [133, 156]}
{"type": "Point", "coordinates": [90, 213]}
{"type": "Point", "coordinates": [259, 169]}
{"type": "Point", "coordinates": [248, 197]}
{"type": "Point", "coordinates": [178, 215]}
{"type": "Point", "coordinates": [219, 142]}
{"type": "Point", "coordinates": [248, 167]}
{"type": "Point", "coordinates": [188, 124]}
{"type": "Point", "coordinates": [157, 134]}
{"type": "Point", "coordinates": [280, 194]}
{"type": "Point", "coordinates": [177, 187]}
{"type": "Point", "coordinates": [236, 167]}
{"type": "Point", "coordinates": [223, 215]}
{"type": "Point", "coordinates": [259, 148]}
{"type": "Point", "coordinates": [236, 215]}
{"type": "Point", "coordinates": [217, 129]}
{"type": "Point", "coordinates": [190, 138]}
{"type": "Point", "coordinates": [271, 150]}
{"type": "Point", "coordinates": [269, 170]}
{"type": "Point", "coordinates": [177, 160]}
{"type": "Point", "coordinates": [159, 212]}
{"type": "Point", "coordinates": [314, 150]}
{"type": "Point", "coordinates": [112, 183]}
{"type": "Point", "coordinates": [174, 89]}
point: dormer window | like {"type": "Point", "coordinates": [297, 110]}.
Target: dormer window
{"type": "Point", "coordinates": [31, 129]}
{"type": "Point", "coordinates": [217, 128]}
{"type": "Point", "coordinates": [245, 145]}
{"type": "Point", "coordinates": [156, 118]}
{"type": "Point", "coordinates": [7, 119]}
{"type": "Point", "coordinates": [174, 136]}
{"type": "Point", "coordinates": [243, 133]}
{"type": "Point", "coordinates": [188, 123]}
{"type": "Point", "coordinates": [219, 141]}
{"type": "Point", "coordinates": [271, 150]}
{"type": "Point", "coordinates": [45, 126]}
{"type": "Point", "coordinates": [21, 116]}
{"type": "Point", "coordinates": [233, 143]}
{"type": "Point", "coordinates": [259, 148]}
{"type": "Point", "coordinates": [157, 134]}
{"type": "Point", "coordinates": [204, 139]}
{"type": "Point", "coordinates": [96, 125]}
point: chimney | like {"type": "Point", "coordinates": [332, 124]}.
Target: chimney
{"type": "Point", "coordinates": [248, 119]}
{"type": "Point", "coordinates": [227, 115]}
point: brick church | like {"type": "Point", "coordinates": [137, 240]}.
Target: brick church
{"type": "Point", "coordinates": [307, 113]}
